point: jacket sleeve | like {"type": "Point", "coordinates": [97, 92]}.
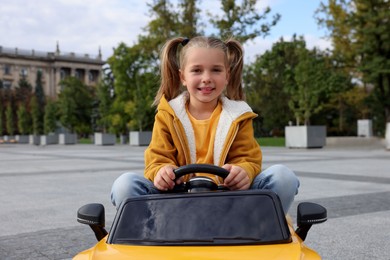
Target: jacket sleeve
{"type": "Point", "coordinates": [245, 151]}
{"type": "Point", "coordinates": [161, 150]}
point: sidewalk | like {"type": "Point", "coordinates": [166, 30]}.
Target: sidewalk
{"type": "Point", "coordinates": [41, 188]}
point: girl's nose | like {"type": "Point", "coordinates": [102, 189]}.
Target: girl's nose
{"type": "Point", "coordinates": [206, 78]}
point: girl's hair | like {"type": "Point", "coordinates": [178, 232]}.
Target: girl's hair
{"type": "Point", "coordinates": [173, 58]}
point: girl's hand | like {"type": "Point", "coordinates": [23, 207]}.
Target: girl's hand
{"type": "Point", "coordinates": [237, 179]}
{"type": "Point", "coordinates": [165, 177]}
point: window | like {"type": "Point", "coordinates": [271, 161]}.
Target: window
{"type": "Point", "coordinates": [92, 76]}
{"type": "Point", "coordinates": [7, 84]}
{"type": "Point", "coordinates": [7, 69]}
{"type": "Point", "coordinates": [24, 71]}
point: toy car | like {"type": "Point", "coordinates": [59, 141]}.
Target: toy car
{"type": "Point", "coordinates": [202, 221]}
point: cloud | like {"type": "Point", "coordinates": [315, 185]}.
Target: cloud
{"type": "Point", "coordinates": [84, 26]}
{"type": "Point", "coordinates": [260, 45]}
{"type": "Point", "coordinates": [79, 26]}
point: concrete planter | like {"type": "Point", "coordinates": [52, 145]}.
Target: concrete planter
{"type": "Point", "coordinates": [140, 138]}
{"type": "Point", "coordinates": [123, 139]}
{"type": "Point", "coordinates": [67, 138]}
{"type": "Point", "coordinates": [104, 139]}
{"type": "Point", "coordinates": [9, 139]}
{"type": "Point", "coordinates": [34, 139]}
{"type": "Point", "coordinates": [305, 136]}
{"type": "Point", "coordinates": [22, 139]}
{"type": "Point", "coordinates": [49, 139]}
{"type": "Point", "coordinates": [364, 128]}
{"type": "Point", "coordinates": [387, 136]}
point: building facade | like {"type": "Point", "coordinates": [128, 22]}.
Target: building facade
{"type": "Point", "coordinates": [55, 66]}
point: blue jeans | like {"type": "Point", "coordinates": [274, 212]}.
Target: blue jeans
{"type": "Point", "coordinates": [277, 178]}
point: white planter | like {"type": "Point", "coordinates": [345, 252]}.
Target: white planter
{"type": "Point", "coordinates": [305, 136]}
{"type": "Point", "coordinates": [104, 139]}
{"type": "Point", "coordinates": [67, 138]}
{"type": "Point", "coordinates": [34, 139]}
{"type": "Point", "coordinates": [22, 139]}
{"type": "Point", "coordinates": [387, 136]}
{"type": "Point", "coordinates": [140, 138]}
{"type": "Point", "coordinates": [49, 139]}
{"type": "Point", "coordinates": [364, 127]}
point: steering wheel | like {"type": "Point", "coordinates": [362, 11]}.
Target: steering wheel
{"type": "Point", "coordinates": [199, 183]}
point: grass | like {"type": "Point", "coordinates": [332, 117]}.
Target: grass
{"type": "Point", "coordinates": [271, 141]}
{"type": "Point", "coordinates": [84, 141]}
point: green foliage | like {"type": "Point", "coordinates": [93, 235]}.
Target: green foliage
{"type": "Point", "coordinates": [136, 68]}
{"type": "Point", "coordinates": [1, 111]}
{"type": "Point", "coordinates": [360, 32]}
{"type": "Point", "coordinates": [24, 125]}
{"type": "Point", "coordinates": [1, 121]}
{"type": "Point", "coordinates": [104, 102]}
{"type": "Point", "coordinates": [75, 105]}
{"type": "Point", "coordinates": [23, 90]}
{"type": "Point", "coordinates": [309, 93]}
{"type": "Point", "coordinates": [291, 81]}
{"type": "Point", "coordinates": [141, 112]}
{"type": "Point", "coordinates": [135, 83]}
{"type": "Point", "coordinates": [50, 117]}
{"type": "Point", "coordinates": [36, 116]}
{"type": "Point", "coordinates": [9, 115]}
{"type": "Point", "coordinates": [39, 93]}
{"type": "Point", "coordinates": [242, 20]}
{"type": "Point", "coordinates": [266, 80]}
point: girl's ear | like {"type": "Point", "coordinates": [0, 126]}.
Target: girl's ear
{"type": "Point", "coordinates": [227, 77]}
{"type": "Point", "coordinates": [182, 79]}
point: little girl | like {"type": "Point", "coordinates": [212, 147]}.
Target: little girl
{"type": "Point", "coordinates": [202, 118]}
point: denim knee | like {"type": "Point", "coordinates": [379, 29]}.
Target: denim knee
{"type": "Point", "coordinates": [127, 185]}
{"type": "Point", "coordinates": [281, 180]}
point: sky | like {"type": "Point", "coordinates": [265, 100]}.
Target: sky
{"type": "Point", "coordinates": [84, 27]}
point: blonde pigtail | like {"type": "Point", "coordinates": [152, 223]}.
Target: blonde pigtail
{"type": "Point", "coordinates": [170, 77]}
{"type": "Point", "coordinates": [235, 54]}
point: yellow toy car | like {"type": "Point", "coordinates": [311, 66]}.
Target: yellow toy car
{"type": "Point", "coordinates": [201, 224]}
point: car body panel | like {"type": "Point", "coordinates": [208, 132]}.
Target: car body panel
{"type": "Point", "coordinates": [154, 216]}
{"type": "Point", "coordinates": [291, 251]}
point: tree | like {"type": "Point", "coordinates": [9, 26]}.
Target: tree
{"type": "Point", "coordinates": [23, 90]}
{"type": "Point", "coordinates": [75, 105]}
{"type": "Point", "coordinates": [366, 30]}
{"type": "Point", "coordinates": [135, 68]}
{"type": "Point", "coordinates": [1, 120]}
{"type": "Point", "coordinates": [2, 101]}
{"type": "Point", "coordinates": [9, 115]}
{"type": "Point", "coordinates": [189, 18]}
{"type": "Point", "coordinates": [242, 20]}
{"type": "Point", "coordinates": [35, 115]}
{"type": "Point", "coordinates": [24, 125]}
{"type": "Point", "coordinates": [50, 117]}
{"type": "Point", "coordinates": [265, 80]}
{"type": "Point", "coordinates": [104, 98]}
{"type": "Point", "coordinates": [39, 93]}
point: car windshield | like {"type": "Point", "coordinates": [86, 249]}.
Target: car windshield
{"type": "Point", "coordinates": [204, 218]}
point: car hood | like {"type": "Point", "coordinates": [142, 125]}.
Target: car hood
{"type": "Point", "coordinates": [293, 250]}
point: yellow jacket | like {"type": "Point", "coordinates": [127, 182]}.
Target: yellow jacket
{"type": "Point", "coordinates": [173, 141]}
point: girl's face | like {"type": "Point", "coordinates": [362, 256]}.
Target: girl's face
{"type": "Point", "coordinates": [205, 75]}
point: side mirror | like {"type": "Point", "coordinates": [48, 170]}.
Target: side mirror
{"type": "Point", "coordinates": [93, 215]}
{"type": "Point", "coordinates": [309, 213]}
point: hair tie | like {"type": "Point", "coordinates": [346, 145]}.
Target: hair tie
{"type": "Point", "coordinates": [184, 42]}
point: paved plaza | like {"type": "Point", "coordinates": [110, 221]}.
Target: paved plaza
{"type": "Point", "coordinates": [41, 188]}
